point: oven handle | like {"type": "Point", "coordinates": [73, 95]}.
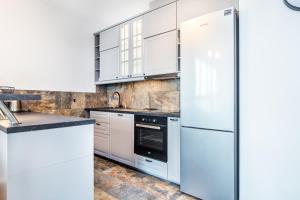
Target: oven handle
{"type": "Point", "coordinates": [148, 126]}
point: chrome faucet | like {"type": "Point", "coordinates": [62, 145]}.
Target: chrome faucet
{"type": "Point", "coordinates": [117, 96]}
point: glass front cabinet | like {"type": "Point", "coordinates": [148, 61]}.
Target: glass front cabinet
{"type": "Point", "coordinates": [142, 47]}
{"type": "Point", "coordinates": [131, 49]}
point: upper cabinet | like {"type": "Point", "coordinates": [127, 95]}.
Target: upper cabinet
{"type": "Point", "coordinates": [142, 46]}
{"type": "Point", "coordinates": [137, 48]}
{"type": "Point", "coordinates": [108, 55]}
{"type": "Point", "coordinates": [131, 49]}
{"type": "Point", "coordinates": [109, 64]}
{"type": "Point", "coordinates": [161, 54]}
{"type": "Point", "coordinates": [160, 20]}
{"type": "Point", "coordinates": [125, 50]}
{"type": "Point", "coordinates": [109, 38]}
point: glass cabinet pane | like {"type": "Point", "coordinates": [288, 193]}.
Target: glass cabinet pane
{"type": "Point", "coordinates": [137, 47]}
{"type": "Point", "coordinates": [124, 50]}
{"type": "Point", "coordinates": [131, 49]}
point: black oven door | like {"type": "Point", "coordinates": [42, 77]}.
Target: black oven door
{"type": "Point", "coordinates": [151, 141]}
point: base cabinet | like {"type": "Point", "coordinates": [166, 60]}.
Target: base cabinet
{"type": "Point", "coordinates": [171, 170]}
{"type": "Point", "coordinates": [47, 164]}
{"type": "Point", "coordinates": [114, 136]}
{"type": "Point", "coordinates": [101, 133]}
{"type": "Point", "coordinates": [174, 150]}
{"type": "Point", "coordinates": [101, 145]}
{"type": "Point", "coordinates": [151, 166]}
{"type": "Point", "coordinates": [114, 139]}
{"type": "Point", "coordinates": [122, 137]}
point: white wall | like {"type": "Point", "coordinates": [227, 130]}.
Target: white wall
{"type": "Point", "coordinates": [44, 48]}
{"type": "Point", "coordinates": [270, 101]}
{"type": "Point", "coordinates": [48, 44]}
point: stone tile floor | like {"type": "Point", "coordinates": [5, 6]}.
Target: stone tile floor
{"type": "Point", "coordinates": [116, 182]}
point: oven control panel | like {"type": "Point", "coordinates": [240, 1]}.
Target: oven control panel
{"type": "Point", "coordinates": [151, 120]}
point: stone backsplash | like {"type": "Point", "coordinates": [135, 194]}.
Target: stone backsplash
{"type": "Point", "coordinates": [64, 103]}
{"type": "Point", "coordinates": [158, 94]}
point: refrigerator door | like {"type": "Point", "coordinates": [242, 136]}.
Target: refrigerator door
{"type": "Point", "coordinates": [207, 164]}
{"type": "Point", "coordinates": [208, 71]}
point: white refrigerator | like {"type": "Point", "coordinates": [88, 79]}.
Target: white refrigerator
{"type": "Point", "coordinates": [209, 106]}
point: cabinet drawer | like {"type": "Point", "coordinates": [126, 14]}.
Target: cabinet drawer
{"type": "Point", "coordinates": [151, 166]}
{"type": "Point", "coordinates": [121, 115]}
{"type": "Point", "coordinates": [101, 126]}
{"type": "Point", "coordinates": [101, 143]}
{"type": "Point", "coordinates": [101, 132]}
{"type": "Point", "coordinates": [101, 117]}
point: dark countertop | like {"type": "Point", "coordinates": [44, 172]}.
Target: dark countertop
{"type": "Point", "coordinates": [11, 97]}
{"type": "Point", "coordinates": [158, 113]}
{"type": "Point", "coordinates": [41, 121]}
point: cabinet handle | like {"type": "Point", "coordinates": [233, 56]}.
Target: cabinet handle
{"type": "Point", "coordinates": [117, 77]}
{"type": "Point", "coordinates": [174, 120]}
{"type": "Point", "coordinates": [98, 124]}
{"type": "Point", "coordinates": [149, 160]}
{"type": "Point", "coordinates": [120, 115]}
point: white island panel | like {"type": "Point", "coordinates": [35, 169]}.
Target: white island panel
{"type": "Point", "coordinates": [47, 164]}
{"type": "Point", "coordinates": [32, 150]}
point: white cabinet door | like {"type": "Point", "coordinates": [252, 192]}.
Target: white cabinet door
{"type": "Point", "coordinates": [101, 144]}
{"type": "Point", "coordinates": [122, 137]}
{"type": "Point", "coordinates": [151, 166]}
{"type": "Point", "coordinates": [136, 67]}
{"type": "Point", "coordinates": [160, 20]}
{"type": "Point", "coordinates": [109, 64]}
{"type": "Point", "coordinates": [160, 54]}
{"type": "Point", "coordinates": [174, 150]}
{"type": "Point", "coordinates": [109, 38]}
{"type": "Point", "coordinates": [131, 49]}
{"type": "Point", "coordinates": [101, 133]}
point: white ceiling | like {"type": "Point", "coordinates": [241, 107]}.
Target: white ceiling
{"type": "Point", "coordinates": [103, 12]}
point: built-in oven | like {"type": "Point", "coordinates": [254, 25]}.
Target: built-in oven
{"type": "Point", "coordinates": [151, 137]}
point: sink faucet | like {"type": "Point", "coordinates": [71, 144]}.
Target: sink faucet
{"type": "Point", "coordinates": [116, 95]}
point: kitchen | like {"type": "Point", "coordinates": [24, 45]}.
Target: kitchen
{"type": "Point", "coordinates": [156, 111]}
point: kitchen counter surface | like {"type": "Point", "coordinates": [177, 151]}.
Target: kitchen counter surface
{"type": "Point", "coordinates": [11, 97]}
{"type": "Point", "coordinates": [158, 113]}
{"type": "Point", "coordinates": [40, 121]}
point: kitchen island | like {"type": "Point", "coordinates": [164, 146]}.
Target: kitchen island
{"type": "Point", "coordinates": [46, 157]}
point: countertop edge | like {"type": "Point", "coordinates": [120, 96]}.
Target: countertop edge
{"type": "Point", "coordinates": [151, 113]}
{"type": "Point", "coordinates": [20, 97]}
{"type": "Point", "coordinates": [38, 127]}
